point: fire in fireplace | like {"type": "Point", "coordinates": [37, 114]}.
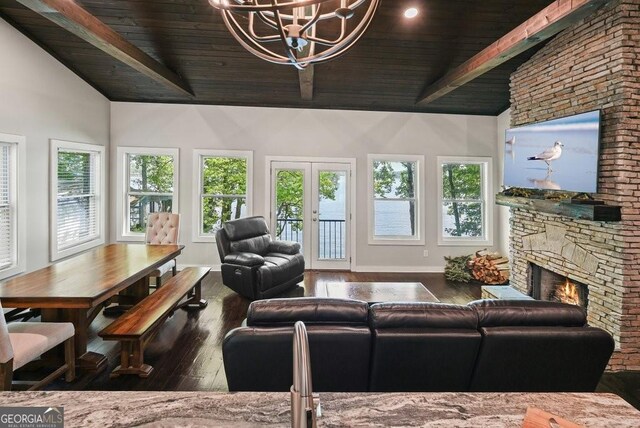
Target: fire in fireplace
{"type": "Point", "coordinates": [548, 285]}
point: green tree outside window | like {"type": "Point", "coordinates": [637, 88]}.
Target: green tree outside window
{"type": "Point", "coordinates": [462, 199]}
{"type": "Point", "coordinates": [150, 187]}
{"type": "Point", "coordinates": [224, 191]}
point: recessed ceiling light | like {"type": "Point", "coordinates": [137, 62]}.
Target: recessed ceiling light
{"type": "Point", "coordinates": [412, 12]}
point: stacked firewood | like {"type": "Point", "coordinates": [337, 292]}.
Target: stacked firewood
{"type": "Point", "coordinates": [489, 268]}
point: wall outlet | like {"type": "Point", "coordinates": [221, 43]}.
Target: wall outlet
{"type": "Point", "coordinates": [425, 253]}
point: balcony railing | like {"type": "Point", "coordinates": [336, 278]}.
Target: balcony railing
{"type": "Point", "coordinates": [331, 235]}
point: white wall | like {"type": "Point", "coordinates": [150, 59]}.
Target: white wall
{"type": "Point", "coordinates": [299, 132]}
{"type": "Point", "coordinates": [504, 229]}
{"type": "Point", "coordinates": [42, 99]}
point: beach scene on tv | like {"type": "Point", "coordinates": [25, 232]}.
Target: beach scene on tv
{"type": "Point", "coordinates": [559, 154]}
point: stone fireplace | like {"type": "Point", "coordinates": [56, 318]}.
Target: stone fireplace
{"type": "Point", "coordinates": [545, 284]}
{"type": "Point", "coordinates": [586, 253]}
{"type": "Point", "coordinates": [591, 65]}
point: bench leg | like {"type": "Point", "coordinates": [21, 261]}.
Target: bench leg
{"type": "Point", "coordinates": [6, 375]}
{"type": "Point", "coordinates": [132, 360]}
{"type": "Point", "coordinates": [70, 360]}
{"type": "Point", "coordinates": [195, 300]}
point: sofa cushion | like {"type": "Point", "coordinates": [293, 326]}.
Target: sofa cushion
{"type": "Point", "coordinates": [245, 259]}
{"type": "Point", "coordinates": [244, 228]}
{"type": "Point", "coordinates": [255, 244]}
{"type": "Point", "coordinates": [541, 359]}
{"type": "Point", "coordinates": [284, 247]}
{"type": "Point", "coordinates": [279, 268]}
{"type": "Point", "coordinates": [422, 315]}
{"type": "Point", "coordinates": [423, 346]}
{"type": "Point", "coordinates": [261, 358]}
{"type": "Point", "coordinates": [493, 313]}
{"type": "Point", "coordinates": [310, 310]}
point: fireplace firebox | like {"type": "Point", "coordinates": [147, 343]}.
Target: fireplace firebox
{"type": "Point", "coordinates": [548, 285]}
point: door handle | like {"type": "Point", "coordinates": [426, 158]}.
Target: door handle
{"type": "Point", "coordinates": [315, 219]}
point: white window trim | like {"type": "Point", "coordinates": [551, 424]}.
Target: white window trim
{"type": "Point", "coordinates": [122, 207]}
{"type": "Point", "coordinates": [198, 154]}
{"type": "Point", "coordinates": [486, 171]}
{"type": "Point", "coordinates": [420, 225]}
{"type": "Point", "coordinates": [19, 201]}
{"type": "Point", "coordinates": [57, 254]}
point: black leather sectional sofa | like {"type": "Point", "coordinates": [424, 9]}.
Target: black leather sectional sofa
{"type": "Point", "coordinates": [487, 345]}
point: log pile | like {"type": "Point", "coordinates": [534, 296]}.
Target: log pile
{"type": "Point", "coordinates": [489, 268]}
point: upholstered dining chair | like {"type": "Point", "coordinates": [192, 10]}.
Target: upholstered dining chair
{"type": "Point", "coordinates": [163, 229]}
{"type": "Point", "coordinates": [23, 342]}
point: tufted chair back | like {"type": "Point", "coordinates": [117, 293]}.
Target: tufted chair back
{"type": "Point", "coordinates": [6, 351]}
{"type": "Point", "coordinates": [163, 228]}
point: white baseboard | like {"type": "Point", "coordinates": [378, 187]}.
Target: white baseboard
{"type": "Point", "coordinates": [399, 269]}
{"type": "Point", "coordinates": [215, 268]}
{"type": "Point", "coordinates": [382, 269]}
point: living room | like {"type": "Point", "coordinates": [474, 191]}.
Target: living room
{"type": "Point", "coordinates": [64, 95]}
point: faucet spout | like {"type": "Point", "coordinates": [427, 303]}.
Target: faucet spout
{"type": "Point", "coordinates": [302, 407]}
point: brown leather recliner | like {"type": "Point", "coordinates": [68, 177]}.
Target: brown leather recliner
{"type": "Point", "coordinates": [254, 265]}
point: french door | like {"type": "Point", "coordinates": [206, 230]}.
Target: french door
{"type": "Point", "coordinates": [311, 205]}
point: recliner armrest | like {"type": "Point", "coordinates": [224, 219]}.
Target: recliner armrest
{"type": "Point", "coordinates": [284, 247]}
{"type": "Point", "coordinates": [244, 259]}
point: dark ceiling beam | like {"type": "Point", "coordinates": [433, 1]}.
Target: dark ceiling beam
{"type": "Point", "coordinates": [540, 27]}
{"type": "Point", "coordinates": [73, 18]}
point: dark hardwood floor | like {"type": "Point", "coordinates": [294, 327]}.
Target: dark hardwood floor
{"type": "Point", "coordinates": [187, 355]}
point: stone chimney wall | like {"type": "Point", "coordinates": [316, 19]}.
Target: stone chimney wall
{"type": "Point", "coordinates": [592, 65]}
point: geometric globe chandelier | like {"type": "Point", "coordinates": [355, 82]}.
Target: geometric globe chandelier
{"type": "Point", "coordinates": [297, 32]}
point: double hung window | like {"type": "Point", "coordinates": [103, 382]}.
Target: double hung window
{"type": "Point", "coordinates": [148, 182]}
{"type": "Point", "coordinates": [395, 192]}
{"type": "Point", "coordinates": [12, 225]}
{"type": "Point", "coordinates": [77, 185]}
{"type": "Point", "coordinates": [223, 189]}
{"type": "Point", "coordinates": [465, 212]}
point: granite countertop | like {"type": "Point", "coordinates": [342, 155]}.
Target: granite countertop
{"type": "Point", "coordinates": [200, 409]}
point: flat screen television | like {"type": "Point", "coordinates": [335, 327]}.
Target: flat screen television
{"type": "Point", "coordinates": [559, 154]}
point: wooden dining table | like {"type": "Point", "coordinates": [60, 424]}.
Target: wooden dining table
{"type": "Point", "coordinates": [76, 289]}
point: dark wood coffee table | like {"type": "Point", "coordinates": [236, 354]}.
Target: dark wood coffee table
{"type": "Point", "coordinates": [377, 292]}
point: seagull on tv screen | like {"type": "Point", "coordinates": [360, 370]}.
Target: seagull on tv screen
{"type": "Point", "coordinates": [549, 155]}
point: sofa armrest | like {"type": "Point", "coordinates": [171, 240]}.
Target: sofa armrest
{"type": "Point", "coordinates": [244, 259]}
{"type": "Point", "coordinates": [284, 247]}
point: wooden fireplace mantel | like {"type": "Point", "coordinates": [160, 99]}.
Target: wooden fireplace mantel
{"type": "Point", "coordinates": [567, 208]}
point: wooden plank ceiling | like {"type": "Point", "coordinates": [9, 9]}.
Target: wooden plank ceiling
{"type": "Point", "coordinates": [387, 70]}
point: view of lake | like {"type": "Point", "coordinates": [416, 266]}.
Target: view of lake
{"type": "Point", "coordinates": [575, 170]}
{"type": "Point", "coordinates": [392, 219]}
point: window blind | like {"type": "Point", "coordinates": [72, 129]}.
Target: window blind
{"type": "Point", "coordinates": [77, 207]}
{"type": "Point", "coordinates": [7, 226]}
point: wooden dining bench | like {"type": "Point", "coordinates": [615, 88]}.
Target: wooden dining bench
{"type": "Point", "coordinates": [138, 325]}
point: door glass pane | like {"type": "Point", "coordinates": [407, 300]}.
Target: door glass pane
{"type": "Point", "coordinates": [332, 215]}
{"type": "Point", "coordinates": [289, 207]}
